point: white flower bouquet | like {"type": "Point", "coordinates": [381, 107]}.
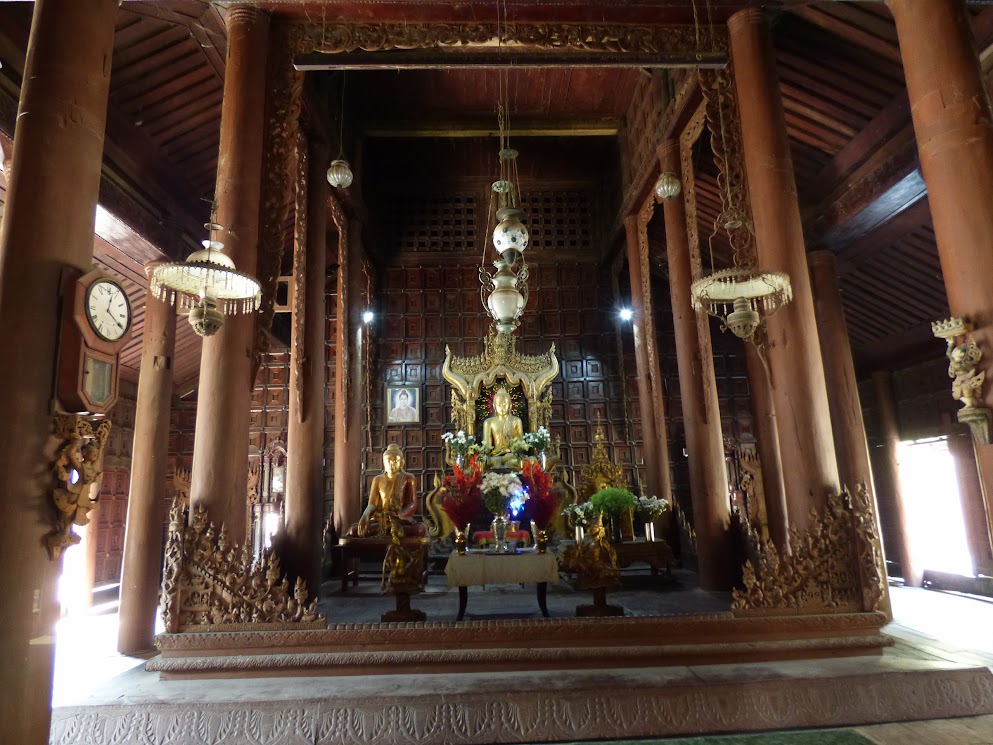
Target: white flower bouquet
{"type": "Point", "coordinates": [651, 508]}
{"type": "Point", "coordinates": [500, 490]}
{"type": "Point", "coordinates": [461, 444]}
{"type": "Point", "coordinates": [538, 440]}
{"type": "Point", "coordinates": [579, 514]}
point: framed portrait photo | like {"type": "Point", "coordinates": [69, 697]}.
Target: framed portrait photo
{"type": "Point", "coordinates": [403, 404]}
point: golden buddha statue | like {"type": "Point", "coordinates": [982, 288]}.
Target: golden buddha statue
{"type": "Point", "coordinates": [500, 430]}
{"type": "Point", "coordinates": [391, 493]}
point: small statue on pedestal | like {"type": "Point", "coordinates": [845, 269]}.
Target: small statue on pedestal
{"type": "Point", "coordinates": [403, 573]}
{"type": "Point", "coordinates": [595, 563]}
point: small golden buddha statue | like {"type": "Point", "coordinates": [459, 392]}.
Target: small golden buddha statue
{"type": "Point", "coordinates": [500, 430]}
{"type": "Point", "coordinates": [391, 493]}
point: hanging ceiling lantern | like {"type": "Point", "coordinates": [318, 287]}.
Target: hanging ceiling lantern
{"type": "Point", "coordinates": [340, 174]}
{"type": "Point", "coordinates": [207, 286]}
{"type": "Point", "coordinates": [668, 186]}
{"type": "Point", "coordinates": [505, 302]}
{"type": "Point", "coordinates": [741, 296]}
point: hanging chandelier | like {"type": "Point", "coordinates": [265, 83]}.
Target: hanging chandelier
{"type": "Point", "coordinates": [207, 286]}
{"type": "Point", "coordinates": [340, 172]}
{"type": "Point", "coordinates": [743, 296]}
{"type": "Point", "coordinates": [505, 292]}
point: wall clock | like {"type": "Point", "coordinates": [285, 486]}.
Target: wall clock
{"type": "Point", "coordinates": [96, 324]}
{"type": "Point", "coordinates": [107, 310]}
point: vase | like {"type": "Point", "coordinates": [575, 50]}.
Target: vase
{"type": "Point", "coordinates": [499, 529]}
{"type": "Point", "coordinates": [543, 456]}
{"type": "Point", "coordinates": [461, 540]}
{"type": "Point", "coordinates": [541, 541]}
{"type": "Point", "coordinates": [649, 531]}
{"type": "Point", "coordinates": [460, 460]}
{"type": "Point", "coordinates": [580, 533]}
{"type": "Point", "coordinates": [616, 535]}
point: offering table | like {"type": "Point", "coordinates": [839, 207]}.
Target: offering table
{"type": "Point", "coordinates": [484, 568]}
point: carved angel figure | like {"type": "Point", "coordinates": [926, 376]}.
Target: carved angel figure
{"type": "Point", "coordinates": [77, 469]}
{"type": "Point", "coordinates": [967, 384]}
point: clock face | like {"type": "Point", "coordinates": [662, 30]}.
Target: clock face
{"type": "Point", "coordinates": [108, 310]}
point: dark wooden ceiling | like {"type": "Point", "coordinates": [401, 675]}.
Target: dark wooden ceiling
{"type": "Point", "coordinates": [843, 93]}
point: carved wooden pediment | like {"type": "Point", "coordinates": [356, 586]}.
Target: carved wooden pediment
{"type": "Point", "coordinates": [500, 361]}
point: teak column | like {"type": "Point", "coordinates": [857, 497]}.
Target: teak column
{"type": "Point", "coordinates": [839, 373]}
{"type": "Point", "coordinates": [889, 428]}
{"type": "Point", "coordinates": [847, 423]}
{"type": "Point", "coordinates": [142, 561]}
{"type": "Point", "coordinates": [767, 438]}
{"type": "Point", "coordinates": [301, 550]}
{"type": "Point", "coordinates": [955, 138]}
{"type": "Point", "coordinates": [698, 392]}
{"type": "Point", "coordinates": [48, 224]}
{"type": "Point", "coordinates": [349, 384]}
{"type": "Point", "coordinates": [220, 449]}
{"type": "Point", "coordinates": [810, 471]}
{"type": "Point", "coordinates": [649, 437]}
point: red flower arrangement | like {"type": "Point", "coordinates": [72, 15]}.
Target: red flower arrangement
{"type": "Point", "coordinates": [462, 499]}
{"type": "Point", "coordinates": [542, 504]}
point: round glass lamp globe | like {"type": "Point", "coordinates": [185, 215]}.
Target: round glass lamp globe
{"type": "Point", "coordinates": [510, 233]}
{"type": "Point", "coordinates": [340, 174]}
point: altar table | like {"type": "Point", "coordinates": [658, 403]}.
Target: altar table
{"type": "Point", "coordinates": [486, 537]}
{"type": "Point", "coordinates": [483, 568]}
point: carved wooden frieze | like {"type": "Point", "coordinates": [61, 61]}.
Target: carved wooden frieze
{"type": "Point", "coordinates": [835, 565]}
{"type": "Point", "coordinates": [208, 582]}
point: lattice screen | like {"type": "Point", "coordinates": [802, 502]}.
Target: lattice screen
{"type": "Point", "coordinates": [432, 222]}
{"type": "Point", "coordinates": [559, 220]}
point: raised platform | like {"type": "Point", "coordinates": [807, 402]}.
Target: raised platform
{"type": "Point", "coordinates": [526, 707]}
{"type": "Point", "coordinates": [535, 644]}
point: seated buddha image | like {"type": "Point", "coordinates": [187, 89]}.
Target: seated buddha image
{"type": "Point", "coordinates": [500, 430]}
{"type": "Point", "coordinates": [392, 499]}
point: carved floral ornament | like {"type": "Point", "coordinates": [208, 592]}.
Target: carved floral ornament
{"type": "Point", "coordinates": [674, 39]}
{"type": "Point", "coordinates": [836, 564]}
{"type": "Point", "coordinates": [210, 582]}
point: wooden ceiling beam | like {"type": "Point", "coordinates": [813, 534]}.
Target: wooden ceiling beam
{"type": "Point", "coordinates": [440, 59]}
{"type": "Point", "coordinates": [486, 127]}
{"type": "Point", "coordinates": [840, 22]}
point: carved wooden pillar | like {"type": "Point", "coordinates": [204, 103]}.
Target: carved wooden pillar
{"type": "Point", "coordinates": [892, 495]}
{"type": "Point", "coordinates": [698, 392]}
{"type": "Point", "coordinates": [847, 424]}
{"type": "Point", "coordinates": [810, 471]}
{"type": "Point", "coordinates": [954, 131]}
{"type": "Point", "coordinates": [142, 561]}
{"type": "Point", "coordinates": [839, 373]}
{"type": "Point", "coordinates": [977, 523]}
{"type": "Point", "coordinates": [349, 382]}
{"type": "Point", "coordinates": [646, 404]}
{"type": "Point", "coordinates": [301, 549]}
{"type": "Point", "coordinates": [220, 448]}
{"type": "Point", "coordinates": [48, 224]}
{"type": "Point", "coordinates": [767, 438]}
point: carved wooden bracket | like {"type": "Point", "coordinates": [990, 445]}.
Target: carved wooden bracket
{"type": "Point", "coordinates": [78, 469]}
{"type": "Point", "coordinates": [967, 384]}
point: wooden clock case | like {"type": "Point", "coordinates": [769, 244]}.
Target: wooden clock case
{"type": "Point", "coordinates": [80, 344]}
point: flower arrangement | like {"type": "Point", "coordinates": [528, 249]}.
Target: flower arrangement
{"type": "Point", "coordinates": [461, 443]}
{"type": "Point", "coordinates": [519, 446]}
{"type": "Point", "coordinates": [502, 493]}
{"type": "Point", "coordinates": [541, 503]}
{"type": "Point", "coordinates": [579, 514]}
{"type": "Point", "coordinates": [462, 494]}
{"type": "Point", "coordinates": [651, 508]}
{"type": "Point", "coordinates": [613, 501]}
{"type": "Point", "coordinates": [538, 440]}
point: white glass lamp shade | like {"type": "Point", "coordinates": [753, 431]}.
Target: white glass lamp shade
{"type": "Point", "coordinates": [668, 186]}
{"type": "Point", "coordinates": [340, 174]}
{"type": "Point", "coordinates": [510, 234]}
{"type": "Point", "coordinates": [505, 301]}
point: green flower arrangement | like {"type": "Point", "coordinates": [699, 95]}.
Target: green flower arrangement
{"type": "Point", "coordinates": [613, 501]}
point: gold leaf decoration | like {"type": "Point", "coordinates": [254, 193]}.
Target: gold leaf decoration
{"type": "Point", "coordinates": [835, 564]}
{"type": "Point", "coordinates": [210, 583]}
